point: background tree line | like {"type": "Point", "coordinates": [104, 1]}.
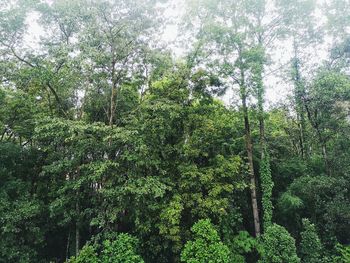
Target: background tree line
{"type": "Point", "coordinates": [112, 149]}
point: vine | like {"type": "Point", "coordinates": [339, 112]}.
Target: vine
{"type": "Point", "coordinates": [266, 187]}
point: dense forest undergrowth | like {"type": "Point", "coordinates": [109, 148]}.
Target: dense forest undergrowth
{"type": "Point", "coordinates": [113, 149]}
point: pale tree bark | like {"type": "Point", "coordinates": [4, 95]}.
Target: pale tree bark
{"type": "Point", "coordinates": [77, 217]}
{"type": "Point", "coordinates": [249, 149]}
{"type": "Point", "coordinates": [77, 232]}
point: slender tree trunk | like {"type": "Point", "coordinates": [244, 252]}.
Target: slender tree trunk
{"type": "Point", "coordinates": [77, 232]}
{"type": "Point", "coordinates": [260, 93]}
{"type": "Point", "coordinates": [112, 109]}
{"type": "Point", "coordinates": [113, 94]}
{"type": "Point", "coordinates": [77, 216]}
{"type": "Point", "coordinates": [299, 93]}
{"type": "Point", "coordinates": [249, 148]}
{"type": "Point", "coordinates": [260, 97]}
{"type": "Point", "coordinates": [325, 157]}
{"type": "Point", "coordinates": [67, 247]}
{"type": "Point", "coordinates": [3, 134]}
{"type": "Point", "coordinates": [303, 152]}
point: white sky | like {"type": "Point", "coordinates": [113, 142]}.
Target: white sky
{"type": "Point", "coordinates": [276, 87]}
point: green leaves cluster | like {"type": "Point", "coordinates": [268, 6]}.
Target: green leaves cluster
{"type": "Point", "coordinates": [266, 187]}
{"type": "Point", "coordinates": [278, 246]}
{"type": "Point", "coordinates": [206, 245]}
{"type": "Point", "coordinates": [122, 249]}
{"type": "Point", "coordinates": [112, 150]}
{"type": "Point", "coordinates": [311, 246]}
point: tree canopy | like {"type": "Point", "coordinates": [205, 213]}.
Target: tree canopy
{"type": "Point", "coordinates": [228, 144]}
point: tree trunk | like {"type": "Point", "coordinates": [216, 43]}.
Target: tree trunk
{"type": "Point", "coordinates": [261, 92]}
{"type": "Point", "coordinates": [113, 93]}
{"type": "Point", "coordinates": [77, 233]}
{"type": "Point", "coordinates": [77, 217]}
{"type": "Point", "coordinates": [67, 247]}
{"type": "Point", "coordinates": [299, 94]}
{"type": "Point", "coordinates": [249, 148]}
{"type": "Point", "coordinates": [303, 152]}
{"type": "Point", "coordinates": [325, 158]}
{"type": "Point", "coordinates": [112, 109]}
{"type": "Point", "coordinates": [260, 98]}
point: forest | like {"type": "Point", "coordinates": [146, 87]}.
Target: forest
{"type": "Point", "coordinates": [156, 131]}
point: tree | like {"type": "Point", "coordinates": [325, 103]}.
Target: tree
{"type": "Point", "coordinates": [299, 25]}
{"type": "Point", "coordinates": [317, 197]}
{"type": "Point", "coordinates": [310, 245]}
{"type": "Point", "coordinates": [20, 208]}
{"type": "Point", "coordinates": [197, 158]}
{"type": "Point", "coordinates": [122, 249]}
{"type": "Point", "coordinates": [86, 255]}
{"type": "Point", "coordinates": [337, 12]}
{"type": "Point", "coordinates": [241, 245]}
{"type": "Point", "coordinates": [278, 246]}
{"type": "Point", "coordinates": [225, 26]}
{"type": "Point", "coordinates": [327, 98]}
{"type": "Point", "coordinates": [206, 245]}
{"type": "Point", "coordinates": [112, 147]}
{"type": "Point", "coordinates": [114, 55]}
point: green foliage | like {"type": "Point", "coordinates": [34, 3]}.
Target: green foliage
{"type": "Point", "coordinates": [18, 113]}
{"type": "Point", "coordinates": [206, 245]}
{"type": "Point", "coordinates": [344, 252]}
{"type": "Point", "coordinates": [317, 197]}
{"type": "Point", "coordinates": [278, 246]}
{"type": "Point", "coordinates": [310, 245]}
{"type": "Point", "coordinates": [241, 245]}
{"type": "Point", "coordinates": [103, 131]}
{"type": "Point", "coordinates": [171, 221]}
{"type": "Point", "coordinates": [122, 249]}
{"type": "Point", "coordinates": [20, 210]}
{"type": "Point", "coordinates": [86, 255]}
{"type": "Point", "coordinates": [169, 163]}
{"type": "Point", "coordinates": [328, 96]}
{"type": "Point", "coordinates": [266, 187]}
